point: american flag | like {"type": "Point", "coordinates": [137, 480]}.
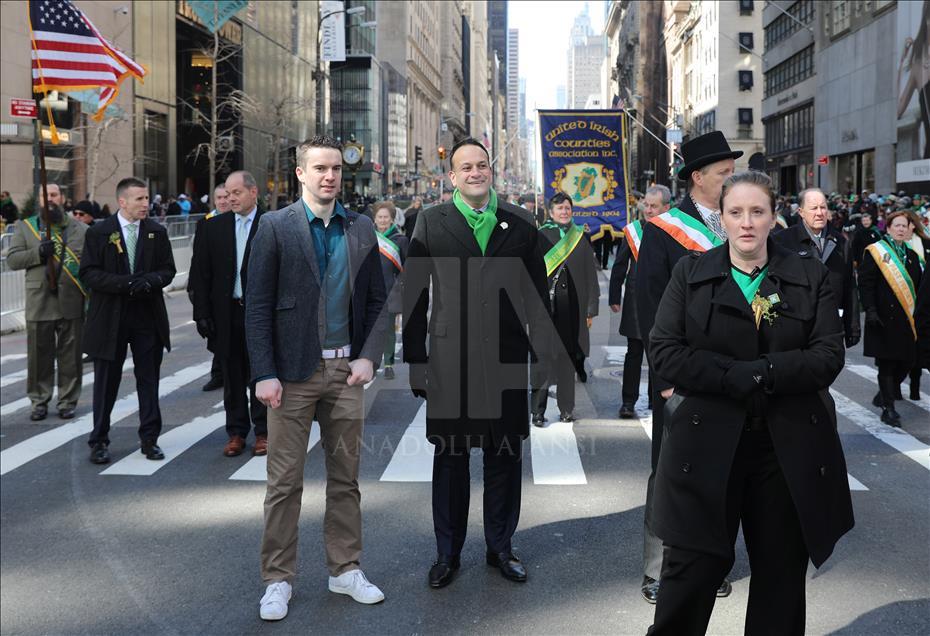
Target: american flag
{"type": "Point", "coordinates": [69, 54]}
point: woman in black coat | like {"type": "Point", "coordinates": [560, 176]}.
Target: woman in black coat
{"type": "Point", "coordinates": [890, 333]}
{"type": "Point", "coordinates": [865, 235]}
{"type": "Point", "coordinates": [574, 296]}
{"type": "Point", "coordinates": [749, 335]}
{"type": "Point", "coordinates": [393, 246]}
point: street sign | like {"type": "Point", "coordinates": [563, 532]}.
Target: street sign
{"type": "Point", "coordinates": [23, 108]}
{"type": "Point", "coordinates": [823, 160]}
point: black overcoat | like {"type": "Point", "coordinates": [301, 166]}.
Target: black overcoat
{"type": "Point", "coordinates": [703, 324]}
{"type": "Point", "coordinates": [893, 339]}
{"type": "Point", "coordinates": [839, 262]}
{"type": "Point", "coordinates": [574, 294]}
{"type": "Point", "coordinates": [922, 321]}
{"type": "Point", "coordinates": [481, 308]}
{"type": "Point", "coordinates": [624, 273]}
{"type": "Point", "coordinates": [393, 279]}
{"type": "Point", "coordinates": [213, 273]}
{"type": "Point", "coordinates": [105, 273]}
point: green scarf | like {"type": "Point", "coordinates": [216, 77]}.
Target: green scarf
{"type": "Point", "coordinates": [481, 224]}
{"type": "Point", "coordinates": [748, 285]}
{"type": "Point", "coordinates": [386, 233]}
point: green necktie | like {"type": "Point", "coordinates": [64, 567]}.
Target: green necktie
{"type": "Point", "coordinates": [131, 247]}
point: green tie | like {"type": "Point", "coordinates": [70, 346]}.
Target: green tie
{"type": "Point", "coordinates": [131, 247]}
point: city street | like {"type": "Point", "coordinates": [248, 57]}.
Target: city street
{"type": "Point", "coordinates": [171, 547]}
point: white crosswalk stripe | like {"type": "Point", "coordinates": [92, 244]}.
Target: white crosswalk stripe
{"type": "Point", "coordinates": [87, 380]}
{"type": "Point", "coordinates": [554, 452]}
{"type": "Point", "coordinates": [413, 458]}
{"type": "Point", "coordinates": [256, 469]}
{"type": "Point", "coordinates": [11, 357]}
{"type": "Point", "coordinates": [28, 450]}
{"type": "Point", "coordinates": [871, 374]}
{"type": "Point", "coordinates": [898, 439]}
{"type": "Point", "coordinates": [12, 378]}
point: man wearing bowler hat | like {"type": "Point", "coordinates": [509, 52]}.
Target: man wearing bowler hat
{"type": "Point", "coordinates": [694, 225]}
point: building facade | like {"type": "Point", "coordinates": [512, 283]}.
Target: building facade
{"type": "Point", "coordinates": [586, 54]}
{"type": "Point", "coordinates": [714, 62]}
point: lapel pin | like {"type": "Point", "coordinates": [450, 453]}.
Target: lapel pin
{"type": "Point", "coordinates": [504, 225]}
{"type": "Point", "coordinates": [151, 235]}
{"type": "Point", "coordinates": [774, 299]}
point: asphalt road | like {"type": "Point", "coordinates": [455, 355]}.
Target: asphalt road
{"type": "Point", "coordinates": [121, 549]}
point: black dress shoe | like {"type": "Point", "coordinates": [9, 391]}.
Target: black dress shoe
{"type": "Point", "coordinates": [627, 412]}
{"type": "Point", "coordinates": [567, 417]}
{"type": "Point", "coordinates": [539, 420]}
{"type": "Point", "coordinates": [216, 382]}
{"type": "Point", "coordinates": [725, 588]}
{"type": "Point", "coordinates": [152, 451]}
{"type": "Point", "coordinates": [99, 454]}
{"type": "Point", "coordinates": [509, 565]}
{"type": "Point", "coordinates": [650, 589]}
{"type": "Point", "coordinates": [39, 413]}
{"type": "Point", "coordinates": [66, 414]}
{"type": "Point", "coordinates": [877, 400]}
{"type": "Point", "coordinates": [891, 417]}
{"type": "Point", "coordinates": [443, 571]}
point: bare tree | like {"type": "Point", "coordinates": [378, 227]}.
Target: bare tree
{"type": "Point", "coordinates": [281, 111]}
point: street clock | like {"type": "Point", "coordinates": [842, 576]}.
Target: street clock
{"type": "Point", "coordinates": [352, 153]}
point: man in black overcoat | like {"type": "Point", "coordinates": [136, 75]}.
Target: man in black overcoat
{"type": "Point", "coordinates": [219, 274]}
{"type": "Point", "coordinates": [815, 236]}
{"type": "Point", "coordinates": [126, 263]}
{"type": "Point", "coordinates": [480, 259]}
{"type": "Point", "coordinates": [656, 201]}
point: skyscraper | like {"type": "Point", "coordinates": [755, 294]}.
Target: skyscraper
{"type": "Point", "coordinates": [586, 55]}
{"type": "Point", "coordinates": [513, 79]}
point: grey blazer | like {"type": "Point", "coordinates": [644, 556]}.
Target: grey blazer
{"type": "Point", "coordinates": [283, 313]}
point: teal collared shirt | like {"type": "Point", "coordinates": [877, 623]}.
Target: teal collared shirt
{"type": "Point", "coordinates": [333, 259]}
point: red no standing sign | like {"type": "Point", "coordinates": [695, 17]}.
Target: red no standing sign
{"type": "Point", "coordinates": [23, 108]}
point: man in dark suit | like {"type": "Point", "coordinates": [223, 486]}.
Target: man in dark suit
{"type": "Point", "coordinates": [127, 262]}
{"type": "Point", "coordinates": [814, 236]}
{"type": "Point", "coordinates": [483, 260]}
{"type": "Point", "coordinates": [693, 226]}
{"type": "Point", "coordinates": [314, 306]}
{"type": "Point", "coordinates": [219, 275]}
{"type": "Point", "coordinates": [656, 201]}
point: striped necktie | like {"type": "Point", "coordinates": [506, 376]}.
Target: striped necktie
{"type": "Point", "coordinates": [131, 237]}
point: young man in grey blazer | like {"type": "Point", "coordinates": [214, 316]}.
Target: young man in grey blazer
{"type": "Point", "coordinates": [314, 263]}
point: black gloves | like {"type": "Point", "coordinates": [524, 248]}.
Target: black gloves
{"type": "Point", "coordinates": [46, 249]}
{"type": "Point", "coordinates": [206, 328]}
{"type": "Point", "coordinates": [418, 380]}
{"type": "Point", "coordinates": [139, 286]}
{"type": "Point", "coordinates": [872, 319]}
{"type": "Point", "coordinates": [742, 379]}
{"type": "Point", "coordinates": [853, 337]}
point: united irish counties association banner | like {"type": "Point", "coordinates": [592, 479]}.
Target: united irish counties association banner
{"type": "Point", "coordinates": [583, 157]}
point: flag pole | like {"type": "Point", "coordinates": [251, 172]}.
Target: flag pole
{"type": "Point", "coordinates": [45, 212]}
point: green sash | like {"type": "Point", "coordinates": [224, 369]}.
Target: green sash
{"type": "Point", "coordinates": [389, 249]}
{"type": "Point", "coordinates": [560, 251]}
{"type": "Point", "coordinates": [72, 264]}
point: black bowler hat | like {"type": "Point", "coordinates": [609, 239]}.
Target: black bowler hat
{"type": "Point", "coordinates": [705, 150]}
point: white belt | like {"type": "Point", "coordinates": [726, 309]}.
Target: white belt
{"type": "Point", "coordinates": [342, 352]}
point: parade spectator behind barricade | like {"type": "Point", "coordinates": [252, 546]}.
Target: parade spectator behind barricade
{"type": "Point", "coordinates": [748, 334]}
{"type": "Point", "coordinates": [54, 317]}
{"type": "Point", "coordinates": [574, 295]}
{"type": "Point", "coordinates": [200, 206]}
{"type": "Point", "coordinates": [814, 237]}
{"type": "Point", "coordinates": [84, 212]}
{"type": "Point", "coordinates": [174, 209]}
{"type": "Point", "coordinates": [8, 210]}
{"type": "Point", "coordinates": [157, 209]}
{"type": "Point", "coordinates": [184, 204]}
{"type": "Point", "coordinates": [393, 248]}
{"type": "Point", "coordinates": [889, 275]}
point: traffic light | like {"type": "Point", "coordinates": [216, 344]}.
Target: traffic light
{"type": "Point", "coordinates": [417, 154]}
{"type": "Point", "coordinates": [442, 152]}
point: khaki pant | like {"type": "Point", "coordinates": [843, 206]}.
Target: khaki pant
{"type": "Point", "coordinates": [339, 409]}
{"type": "Point", "coordinates": [46, 342]}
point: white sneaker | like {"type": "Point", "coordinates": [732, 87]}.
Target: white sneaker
{"type": "Point", "coordinates": [274, 602]}
{"type": "Point", "coordinates": [355, 584]}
